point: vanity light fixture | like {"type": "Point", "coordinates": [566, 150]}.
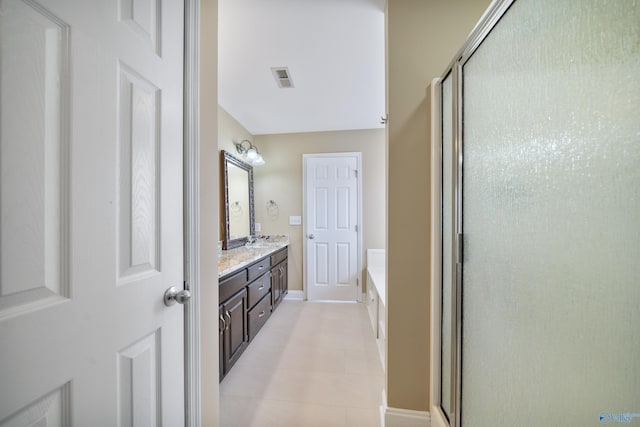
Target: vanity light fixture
{"type": "Point", "coordinates": [250, 152]}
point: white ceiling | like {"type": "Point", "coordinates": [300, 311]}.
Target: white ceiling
{"type": "Point", "coordinates": [334, 50]}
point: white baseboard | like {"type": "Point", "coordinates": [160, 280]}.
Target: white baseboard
{"type": "Point", "coordinates": [299, 296]}
{"type": "Point", "coordinates": [295, 295]}
{"type": "Point", "coordinates": [398, 417]}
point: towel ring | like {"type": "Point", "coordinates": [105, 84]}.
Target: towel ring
{"type": "Point", "coordinates": [235, 209]}
{"type": "Point", "coordinates": [272, 209]}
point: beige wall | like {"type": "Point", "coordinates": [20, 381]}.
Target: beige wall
{"type": "Point", "coordinates": [230, 131]}
{"type": "Point", "coordinates": [422, 38]}
{"type": "Point", "coordinates": [281, 180]}
{"type": "Point", "coordinates": [209, 211]}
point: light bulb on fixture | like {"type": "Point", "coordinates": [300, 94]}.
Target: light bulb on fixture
{"type": "Point", "coordinates": [259, 161]}
{"type": "Point", "coordinates": [251, 153]}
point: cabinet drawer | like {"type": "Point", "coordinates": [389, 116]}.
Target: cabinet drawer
{"type": "Point", "coordinates": [279, 256]}
{"type": "Point", "coordinates": [259, 268]}
{"type": "Point", "coordinates": [232, 284]}
{"type": "Point", "coordinates": [258, 315]}
{"type": "Point", "coordinates": [258, 289]}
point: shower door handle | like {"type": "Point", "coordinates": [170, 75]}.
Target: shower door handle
{"type": "Point", "coordinates": [459, 243]}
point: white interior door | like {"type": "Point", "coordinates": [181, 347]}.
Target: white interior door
{"type": "Point", "coordinates": [91, 205]}
{"type": "Point", "coordinates": [331, 212]}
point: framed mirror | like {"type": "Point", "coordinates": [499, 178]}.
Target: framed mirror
{"type": "Point", "coordinates": [238, 215]}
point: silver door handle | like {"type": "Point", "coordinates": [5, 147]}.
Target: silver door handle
{"type": "Point", "coordinates": [311, 236]}
{"type": "Point", "coordinates": [173, 295]}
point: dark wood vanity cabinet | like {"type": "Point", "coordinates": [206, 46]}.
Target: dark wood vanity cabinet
{"type": "Point", "coordinates": [234, 335]}
{"type": "Point", "coordinates": [258, 268]}
{"type": "Point", "coordinates": [221, 332]}
{"type": "Point", "coordinates": [259, 299]}
{"type": "Point", "coordinates": [279, 271]}
{"type": "Point", "coordinates": [247, 301]}
{"type": "Point", "coordinates": [258, 289]}
{"type": "Point", "coordinates": [258, 315]}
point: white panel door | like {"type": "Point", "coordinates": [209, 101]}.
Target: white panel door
{"type": "Point", "coordinates": [91, 212]}
{"type": "Point", "coordinates": [331, 228]}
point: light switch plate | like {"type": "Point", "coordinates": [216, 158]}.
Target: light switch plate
{"type": "Point", "coordinates": [295, 220]}
{"type": "Point", "coordinates": [258, 227]}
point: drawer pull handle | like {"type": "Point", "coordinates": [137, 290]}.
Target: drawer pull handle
{"type": "Point", "coordinates": [261, 267]}
{"type": "Point", "coordinates": [224, 324]}
{"type": "Point", "coordinates": [262, 313]}
{"type": "Point", "coordinates": [228, 315]}
{"type": "Point", "coordinates": [261, 287]}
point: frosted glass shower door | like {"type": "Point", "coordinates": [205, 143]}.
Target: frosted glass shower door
{"type": "Point", "coordinates": [551, 217]}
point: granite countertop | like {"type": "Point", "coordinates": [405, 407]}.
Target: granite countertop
{"type": "Point", "coordinates": [237, 258]}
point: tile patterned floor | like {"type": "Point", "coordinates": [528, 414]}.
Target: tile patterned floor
{"type": "Point", "coordinates": [313, 364]}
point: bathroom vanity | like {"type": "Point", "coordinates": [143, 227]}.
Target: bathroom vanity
{"type": "Point", "coordinates": [252, 274]}
{"type": "Point", "coordinates": [252, 282]}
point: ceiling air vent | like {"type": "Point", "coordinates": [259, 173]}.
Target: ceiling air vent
{"type": "Point", "coordinates": [281, 74]}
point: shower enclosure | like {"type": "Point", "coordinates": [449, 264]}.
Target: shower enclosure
{"type": "Point", "coordinates": [537, 283]}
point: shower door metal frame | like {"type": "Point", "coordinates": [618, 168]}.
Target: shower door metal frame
{"type": "Point", "coordinates": [487, 22]}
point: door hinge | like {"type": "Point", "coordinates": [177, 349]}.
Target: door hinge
{"type": "Point", "coordinates": [356, 172]}
{"type": "Point", "coordinates": [356, 228]}
{"type": "Point", "coordinates": [357, 282]}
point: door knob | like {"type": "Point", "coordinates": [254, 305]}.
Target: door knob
{"type": "Point", "coordinates": [311, 236]}
{"type": "Point", "coordinates": [173, 295]}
